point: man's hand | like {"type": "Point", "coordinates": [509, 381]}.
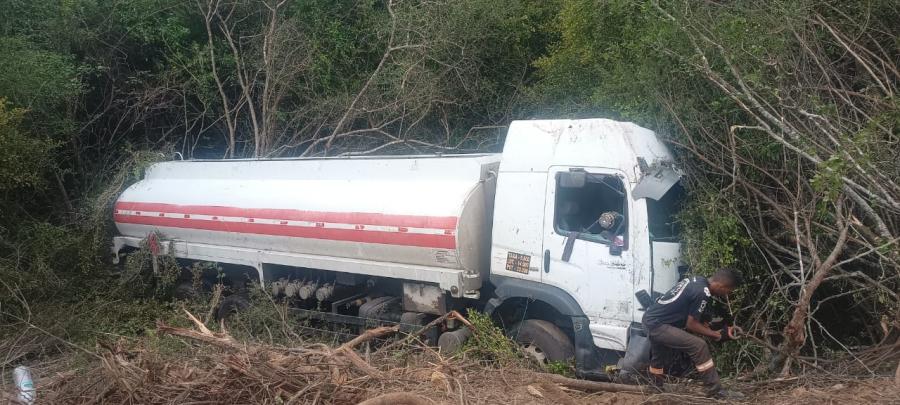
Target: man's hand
{"type": "Point", "coordinates": [730, 333]}
{"type": "Point", "coordinates": [695, 326]}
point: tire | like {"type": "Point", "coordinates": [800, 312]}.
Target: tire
{"type": "Point", "coordinates": [184, 291]}
{"type": "Point", "coordinates": [543, 341]}
{"type": "Point", "coordinates": [231, 304]}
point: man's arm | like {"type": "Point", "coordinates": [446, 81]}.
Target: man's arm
{"type": "Point", "coordinates": [695, 326]}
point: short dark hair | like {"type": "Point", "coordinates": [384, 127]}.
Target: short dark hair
{"type": "Point", "coordinates": [729, 276]}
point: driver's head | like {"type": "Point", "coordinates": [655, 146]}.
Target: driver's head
{"type": "Point", "coordinates": [608, 219]}
{"type": "Point", "coordinates": [724, 281]}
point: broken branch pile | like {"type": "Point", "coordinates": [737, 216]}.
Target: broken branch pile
{"type": "Point", "coordinates": [200, 366]}
{"type": "Point", "coordinates": [236, 372]}
{"type": "Point", "coordinates": [224, 370]}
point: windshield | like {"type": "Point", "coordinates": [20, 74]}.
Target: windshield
{"type": "Point", "coordinates": [662, 215]}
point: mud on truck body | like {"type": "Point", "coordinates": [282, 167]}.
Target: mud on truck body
{"type": "Point", "coordinates": [408, 238]}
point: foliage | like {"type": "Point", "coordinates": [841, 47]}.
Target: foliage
{"type": "Point", "coordinates": [265, 319]}
{"type": "Point", "coordinates": [24, 158]}
{"type": "Point", "coordinates": [714, 236]}
{"type": "Point", "coordinates": [489, 343]}
{"type": "Point", "coordinates": [771, 116]}
{"type": "Point", "coordinates": [149, 275]}
{"type": "Point", "coordinates": [42, 81]}
{"type": "Point", "coordinates": [96, 229]}
{"type": "Point", "coordinates": [565, 369]}
{"type": "Point", "coordinates": [737, 357]}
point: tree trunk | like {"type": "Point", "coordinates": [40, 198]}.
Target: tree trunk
{"type": "Point", "coordinates": [795, 330]}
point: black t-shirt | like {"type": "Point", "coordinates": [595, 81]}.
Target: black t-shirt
{"type": "Point", "coordinates": [689, 297]}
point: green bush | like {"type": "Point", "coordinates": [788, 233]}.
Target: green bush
{"type": "Point", "coordinates": [24, 158]}
{"type": "Point", "coordinates": [489, 343]}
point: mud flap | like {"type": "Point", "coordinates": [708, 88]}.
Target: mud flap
{"type": "Point", "coordinates": [590, 362]}
{"type": "Point", "coordinates": [637, 355]}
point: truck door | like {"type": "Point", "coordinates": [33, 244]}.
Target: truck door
{"type": "Point", "coordinates": [586, 244]}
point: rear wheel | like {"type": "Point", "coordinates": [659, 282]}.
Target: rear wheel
{"type": "Point", "coordinates": [189, 288]}
{"type": "Point", "coordinates": [230, 305]}
{"type": "Point", "coordinates": [543, 341]}
{"type": "Point", "coordinates": [185, 290]}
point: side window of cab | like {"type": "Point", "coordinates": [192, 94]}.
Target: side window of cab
{"type": "Point", "coordinates": [592, 207]}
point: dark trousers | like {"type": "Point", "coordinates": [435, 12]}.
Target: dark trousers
{"type": "Point", "coordinates": [666, 341]}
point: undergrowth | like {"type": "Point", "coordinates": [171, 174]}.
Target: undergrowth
{"type": "Point", "coordinates": [489, 343]}
{"type": "Point", "coordinates": [265, 319]}
{"type": "Point", "coordinates": [146, 275]}
{"type": "Point", "coordinates": [563, 368]}
{"type": "Point", "coordinates": [47, 264]}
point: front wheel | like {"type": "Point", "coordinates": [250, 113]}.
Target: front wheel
{"type": "Point", "coordinates": [543, 341]}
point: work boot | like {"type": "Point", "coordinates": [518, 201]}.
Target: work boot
{"type": "Point", "coordinates": [710, 379]}
{"type": "Point", "coordinates": [657, 381]}
{"type": "Point", "coordinates": [713, 386]}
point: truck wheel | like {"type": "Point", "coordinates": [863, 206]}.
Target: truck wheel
{"type": "Point", "coordinates": [543, 341]}
{"type": "Point", "coordinates": [185, 290]}
{"type": "Point", "coordinates": [230, 305]}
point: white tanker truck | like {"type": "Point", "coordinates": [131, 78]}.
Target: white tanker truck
{"type": "Point", "coordinates": [553, 237]}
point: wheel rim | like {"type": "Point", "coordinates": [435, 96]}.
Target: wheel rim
{"type": "Point", "coordinates": [531, 350]}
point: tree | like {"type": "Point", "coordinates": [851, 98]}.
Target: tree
{"type": "Point", "coordinates": [784, 115]}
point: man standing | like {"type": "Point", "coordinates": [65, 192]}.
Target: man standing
{"type": "Point", "coordinates": [679, 311]}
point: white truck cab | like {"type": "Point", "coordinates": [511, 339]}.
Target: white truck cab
{"type": "Point", "coordinates": [556, 179]}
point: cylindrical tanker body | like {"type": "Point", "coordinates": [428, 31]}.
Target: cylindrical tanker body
{"type": "Point", "coordinates": [432, 211]}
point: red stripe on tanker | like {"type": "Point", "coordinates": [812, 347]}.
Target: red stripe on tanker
{"type": "Point", "coordinates": [363, 218]}
{"type": "Point", "coordinates": [432, 232]}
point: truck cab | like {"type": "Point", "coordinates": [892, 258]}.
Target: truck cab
{"type": "Point", "coordinates": [582, 222]}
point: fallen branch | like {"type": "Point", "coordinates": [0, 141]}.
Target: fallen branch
{"type": "Point", "coordinates": [897, 376]}
{"type": "Point", "coordinates": [558, 396]}
{"type": "Point", "coordinates": [223, 341]}
{"type": "Point", "coordinates": [346, 349]}
{"type": "Point", "coordinates": [359, 363]}
{"type": "Point", "coordinates": [369, 335]}
{"type": "Point", "coordinates": [585, 385]}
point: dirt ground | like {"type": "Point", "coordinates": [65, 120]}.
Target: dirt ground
{"type": "Point", "coordinates": [217, 377]}
{"type": "Point", "coordinates": [880, 390]}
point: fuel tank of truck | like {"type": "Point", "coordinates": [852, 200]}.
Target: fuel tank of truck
{"type": "Point", "coordinates": [431, 211]}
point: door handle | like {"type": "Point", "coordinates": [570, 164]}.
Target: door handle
{"type": "Point", "coordinates": [547, 261]}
